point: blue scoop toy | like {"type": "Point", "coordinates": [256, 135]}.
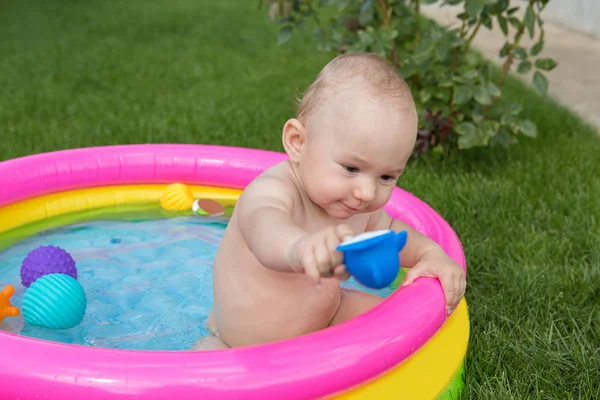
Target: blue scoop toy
{"type": "Point", "coordinates": [372, 257]}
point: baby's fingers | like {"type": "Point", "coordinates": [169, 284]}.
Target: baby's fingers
{"type": "Point", "coordinates": [341, 272]}
{"type": "Point", "coordinates": [450, 291]}
{"type": "Point", "coordinates": [323, 260]}
{"type": "Point", "coordinates": [309, 264]}
{"type": "Point", "coordinates": [343, 232]}
{"type": "Point", "coordinates": [335, 257]}
{"type": "Point", "coordinates": [461, 284]}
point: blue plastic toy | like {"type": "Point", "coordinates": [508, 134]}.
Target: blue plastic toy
{"type": "Point", "coordinates": [55, 301]}
{"type": "Point", "coordinates": [372, 257]}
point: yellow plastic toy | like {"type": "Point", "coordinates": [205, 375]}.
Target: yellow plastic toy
{"type": "Point", "coordinates": [6, 308]}
{"type": "Point", "coordinates": [178, 196]}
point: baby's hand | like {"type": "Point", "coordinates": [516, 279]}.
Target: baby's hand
{"type": "Point", "coordinates": [437, 264]}
{"type": "Point", "coordinates": [316, 254]}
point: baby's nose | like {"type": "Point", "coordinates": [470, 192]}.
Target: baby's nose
{"type": "Point", "coordinates": [365, 192]}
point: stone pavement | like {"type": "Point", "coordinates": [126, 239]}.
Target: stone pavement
{"type": "Point", "coordinates": [575, 82]}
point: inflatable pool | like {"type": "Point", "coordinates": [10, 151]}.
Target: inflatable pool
{"type": "Point", "coordinates": [405, 348]}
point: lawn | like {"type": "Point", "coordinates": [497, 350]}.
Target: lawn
{"type": "Point", "coordinates": [76, 73]}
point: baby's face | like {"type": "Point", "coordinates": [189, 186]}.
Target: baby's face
{"type": "Point", "coordinates": [355, 152]}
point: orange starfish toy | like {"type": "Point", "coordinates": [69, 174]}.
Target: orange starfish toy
{"type": "Point", "coordinates": [7, 309]}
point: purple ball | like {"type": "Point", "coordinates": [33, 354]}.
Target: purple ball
{"type": "Point", "coordinates": [46, 260]}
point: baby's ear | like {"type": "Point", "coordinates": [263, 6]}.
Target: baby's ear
{"type": "Point", "coordinates": [293, 138]}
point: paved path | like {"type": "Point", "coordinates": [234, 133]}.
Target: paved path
{"type": "Point", "coordinates": [575, 82]}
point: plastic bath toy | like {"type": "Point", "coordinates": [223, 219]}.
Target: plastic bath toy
{"type": "Point", "coordinates": [46, 260]}
{"type": "Point", "coordinates": [372, 257]}
{"type": "Point", "coordinates": [207, 207]}
{"type": "Point", "coordinates": [6, 308]}
{"type": "Point", "coordinates": [179, 197]}
{"type": "Point", "coordinates": [54, 301]}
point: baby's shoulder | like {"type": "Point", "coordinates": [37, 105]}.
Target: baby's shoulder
{"type": "Point", "coordinates": [274, 184]}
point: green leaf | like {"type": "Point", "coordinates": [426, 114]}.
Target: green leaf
{"type": "Point", "coordinates": [503, 138]}
{"type": "Point", "coordinates": [547, 64]}
{"type": "Point", "coordinates": [502, 5]}
{"type": "Point", "coordinates": [530, 21]}
{"type": "Point", "coordinates": [365, 17]}
{"type": "Point", "coordinates": [477, 117]}
{"type": "Point", "coordinates": [469, 136]}
{"type": "Point", "coordinates": [425, 95]}
{"type": "Point", "coordinates": [422, 52]}
{"type": "Point", "coordinates": [462, 94]}
{"type": "Point", "coordinates": [504, 50]}
{"type": "Point", "coordinates": [524, 67]}
{"type": "Point", "coordinates": [442, 50]}
{"type": "Point", "coordinates": [444, 94]}
{"type": "Point", "coordinates": [513, 10]}
{"type": "Point", "coordinates": [487, 71]}
{"type": "Point", "coordinates": [540, 82]}
{"type": "Point", "coordinates": [388, 34]}
{"type": "Point", "coordinates": [474, 7]}
{"type": "Point", "coordinates": [465, 128]}
{"type": "Point", "coordinates": [482, 96]}
{"type": "Point", "coordinates": [515, 22]}
{"type": "Point", "coordinates": [342, 4]}
{"type": "Point", "coordinates": [486, 21]}
{"type": "Point", "coordinates": [493, 89]}
{"type": "Point", "coordinates": [285, 33]}
{"type": "Point", "coordinates": [365, 38]}
{"type": "Point", "coordinates": [325, 45]}
{"type": "Point", "coordinates": [537, 48]}
{"type": "Point", "coordinates": [366, 5]}
{"type": "Point", "coordinates": [528, 128]}
{"type": "Point", "coordinates": [489, 128]}
{"type": "Point", "coordinates": [520, 53]}
{"type": "Point", "coordinates": [515, 108]}
{"type": "Point", "coordinates": [470, 74]}
{"type": "Point", "coordinates": [409, 69]}
{"type": "Point", "coordinates": [503, 24]}
{"type": "Point", "coordinates": [472, 59]}
{"type": "Point", "coordinates": [540, 21]}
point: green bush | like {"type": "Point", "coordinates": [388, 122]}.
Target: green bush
{"type": "Point", "coordinates": [458, 93]}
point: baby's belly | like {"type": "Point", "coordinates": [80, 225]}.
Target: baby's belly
{"type": "Point", "coordinates": [254, 305]}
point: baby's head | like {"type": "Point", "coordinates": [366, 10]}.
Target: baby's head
{"type": "Point", "coordinates": [354, 132]}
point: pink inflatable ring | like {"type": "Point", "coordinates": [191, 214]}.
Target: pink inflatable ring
{"type": "Point", "coordinates": [358, 359]}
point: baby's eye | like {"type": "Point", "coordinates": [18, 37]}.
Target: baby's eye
{"type": "Point", "coordinates": [351, 169]}
{"type": "Point", "coordinates": [388, 178]}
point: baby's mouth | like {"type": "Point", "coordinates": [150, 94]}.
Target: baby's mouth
{"type": "Point", "coordinates": [348, 208]}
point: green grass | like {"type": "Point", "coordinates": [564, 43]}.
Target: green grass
{"type": "Point", "coordinates": [76, 73]}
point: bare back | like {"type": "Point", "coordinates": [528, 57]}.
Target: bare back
{"type": "Point", "coordinates": [254, 304]}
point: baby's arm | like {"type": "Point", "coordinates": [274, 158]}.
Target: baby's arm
{"type": "Point", "coordinates": [278, 243]}
{"type": "Point", "coordinates": [425, 258]}
{"type": "Point", "coordinates": [264, 215]}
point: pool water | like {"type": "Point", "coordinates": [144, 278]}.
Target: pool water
{"type": "Point", "coordinates": [148, 282]}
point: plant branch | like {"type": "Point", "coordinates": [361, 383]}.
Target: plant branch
{"type": "Point", "coordinates": [472, 36]}
{"type": "Point", "coordinates": [417, 5]}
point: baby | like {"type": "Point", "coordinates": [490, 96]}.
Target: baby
{"type": "Point", "coordinates": [277, 271]}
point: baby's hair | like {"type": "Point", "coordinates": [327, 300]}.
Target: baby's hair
{"type": "Point", "coordinates": [381, 76]}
